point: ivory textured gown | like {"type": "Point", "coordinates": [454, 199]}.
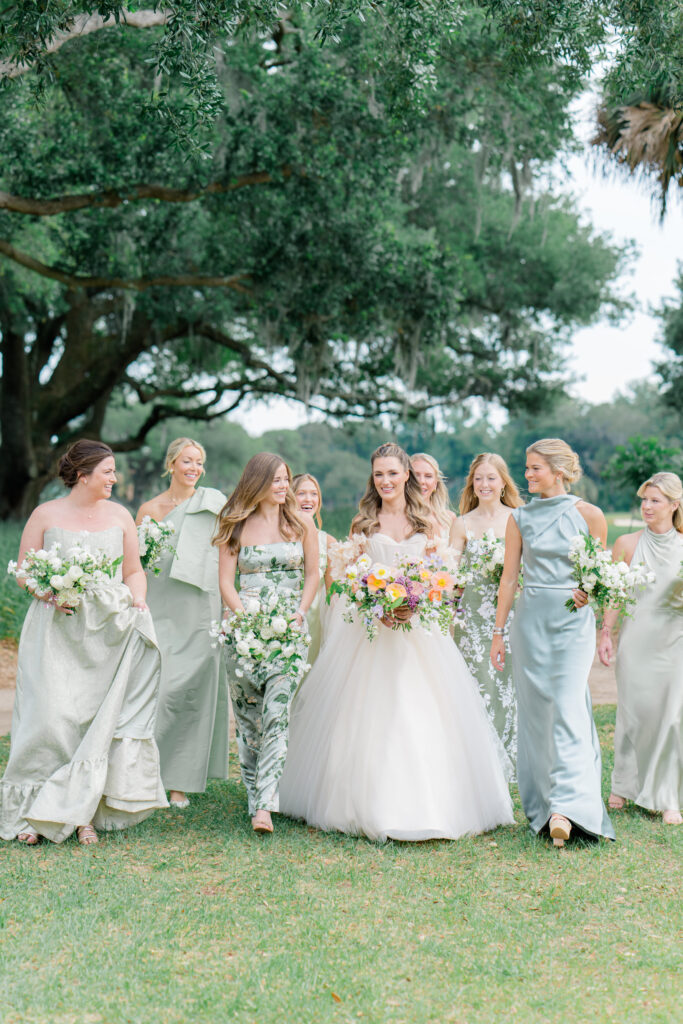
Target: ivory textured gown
{"type": "Point", "coordinates": [473, 632]}
{"type": "Point", "coordinates": [193, 717]}
{"type": "Point", "coordinates": [83, 745]}
{"type": "Point", "coordinates": [389, 737]}
{"type": "Point", "coordinates": [648, 738]}
{"type": "Point", "coordinates": [558, 753]}
{"type": "Point", "coordinates": [318, 611]}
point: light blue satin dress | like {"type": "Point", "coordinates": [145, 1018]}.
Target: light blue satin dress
{"type": "Point", "coordinates": [558, 754]}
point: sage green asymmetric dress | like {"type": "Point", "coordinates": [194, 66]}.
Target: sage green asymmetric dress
{"type": "Point", "coordinates": [558, 753]}
{"type": "Point", "coordinates": [648, 738]}
{"type": "Point", "coordinates": [83, 744]}
{"type": "Point", "coordinates": [193, 717]}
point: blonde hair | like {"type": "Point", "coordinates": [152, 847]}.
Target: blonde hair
{"type": "Point", "coordinates": [252, 488]}
{"type": "Point", "coordinates": [671, 487]}
{"type": "Point", "coordinates": [510, 495]}
{"type": "Point", "coordinates": [439, 501]}
{"type": "Point", "coordinates": [301, 478]}
{"type": "Point", "coordinates": [417, 511]}
{"type": "Point", "coordinates": [562, 459]}
{"type": "Point", "coordinates": [174, 449]}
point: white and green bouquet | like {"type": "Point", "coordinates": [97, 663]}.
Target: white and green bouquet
{"type": "Point", "coordinates": [64, 578]}
{"type": "Point", "coordinates": [264, 639]}
{"type": "Point", "coordinates": [153, 538]}
{"type": "Point", "coordinates": [608, 584]}
{"type": "Point", "coordinates": [486, 566]}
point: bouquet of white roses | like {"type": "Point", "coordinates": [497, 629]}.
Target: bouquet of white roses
{"type": "Point", "coordinates": [487, 565]}
{"type": "Point", "coordinates": [153, 538]}
{"type": "Point", "coordinates": [427, 586]}
{"type": "Point", "coordinates": [263, 638]}
{"type": "Point", "coordinates": [608, 584]}
{"type": "Point", "coordinates": [64, 578]}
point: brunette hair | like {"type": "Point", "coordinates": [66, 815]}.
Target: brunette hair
{"type": "Point", "coordinates": [417, 511]}
{"type": "Point", "coordinates": [299, 479]}
{"type": "Point", "coordinates": [671, 487]}
{"type": "Point", "coordinates": [562, 459]}
{"type": "Point", "coordinates": [254, 485]}
{"type": "Point", "coordinates": [510, 495]}
{"type": "Point", "coordinates": [438, 501]}
{"type": "Point", "coordinates": [80, 459]}
{"type": "Point", "coordinates": [174, 449]}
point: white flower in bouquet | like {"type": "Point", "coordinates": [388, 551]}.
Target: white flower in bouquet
{"type": "Point", "coordinates": [64, 578]}
{"type": "Point", "coordinates": [608, 584]}
{"type": "Point", "coordinates": [279, 625]}
{"type": "Point", "coordinates": [153, 539]}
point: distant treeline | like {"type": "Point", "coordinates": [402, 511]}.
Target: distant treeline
{"type": "Point", "coordinates": [338, 456]}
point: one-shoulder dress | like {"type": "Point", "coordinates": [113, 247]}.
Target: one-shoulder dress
{"type": "Point", "coordinates": [558, 752]}
{"type": "Point", "coordinates": [193, 718]}
{"type": "Point", "coordinates": [83, 746]}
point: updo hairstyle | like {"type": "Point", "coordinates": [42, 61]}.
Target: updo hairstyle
{"type": "Point", "coordinates": [562, 459]}
{"type": "Point", "coordinates": [671, 487]}
{"type": "Point", "coordinates": [80, 459]}
{"type": "Point", "coordinates": [174, 449]}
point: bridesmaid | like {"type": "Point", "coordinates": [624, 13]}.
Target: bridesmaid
{"type": "Point", "coordinates": [83, 753]}
{"type": "Point", "coordinates": [558, 758]}
{"type": "Point", "coordinates": [193, 718]}
{"type": "Point", "coordinates": [434, 492]}
{"type": "Point", "coordinates": [274, 546]}
{"type": "Point", "coordinates": [310, 500]}
{"type": "Point", "coordinates": [487, 500]}
{"type": "Point", "coordinates": [648, 747]}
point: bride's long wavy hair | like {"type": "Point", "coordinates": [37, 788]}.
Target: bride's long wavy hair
{"type": "Point", "coordinates": [253, 487]}
{"type": "Point", "coordinates": [417, 512]}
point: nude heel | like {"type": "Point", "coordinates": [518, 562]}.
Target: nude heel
{"type": "Point", "coordinates": [560, 829]}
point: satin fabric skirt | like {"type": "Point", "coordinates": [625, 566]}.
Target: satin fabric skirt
{"type": "Point", "coordinates": [390, 738]}
{"type": "Point", "coordinates": [559, 766]}
{"type": "Point", "coordinates": [83, 745]}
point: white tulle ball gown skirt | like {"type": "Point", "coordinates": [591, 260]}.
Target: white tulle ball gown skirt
{"type": "Point", "coordinates": [390, 739]}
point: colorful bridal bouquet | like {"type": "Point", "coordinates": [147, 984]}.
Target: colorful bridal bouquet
{"type": "Point", "coordinates": [608, 584]}
{"type": "Point", "coordinates": [263, 639]}
{"type": "Point", "coordinates": [64, 578]}
{"type": "Point", "coordinates": [153, 538]}
{"type": "Point", "coordinates": [428, 586]}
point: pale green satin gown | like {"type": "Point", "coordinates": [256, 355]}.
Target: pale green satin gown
{"type": "Point", "coordinates": [83, 744]}
{"type": "Point", "coordinates": [558, 753]}
{"type": "Point", "coordinates": [648, 738]}
{"type": "Point", "coordinates": [193, 717]}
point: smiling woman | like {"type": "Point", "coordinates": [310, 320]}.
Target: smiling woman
{"type": "Point", "coordinates": [83, 752]}
{"type": "Point", "coordinates": [193, 717]}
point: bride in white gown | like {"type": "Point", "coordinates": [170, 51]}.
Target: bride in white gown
{"type": "Point", "coordinates": [389, 738]}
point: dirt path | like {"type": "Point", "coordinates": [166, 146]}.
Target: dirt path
{"type": "Point", "coordinates": [602, 683]}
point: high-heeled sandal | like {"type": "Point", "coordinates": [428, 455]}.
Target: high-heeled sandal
{"type": "Point", "coordinates": [560, 829]}
{"type": "Point", "coordinates": [87, 836]}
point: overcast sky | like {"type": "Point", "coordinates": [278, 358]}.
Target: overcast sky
{"type": "Point", "coordinates": [606, 359]}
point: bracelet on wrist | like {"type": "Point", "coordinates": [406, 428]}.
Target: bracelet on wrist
{"type": "Point", "coordinates": [498, 630]}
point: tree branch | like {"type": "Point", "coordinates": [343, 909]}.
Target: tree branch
{"type": "Point", "coordinates": [111, 198]}
{"type": "Point", "coordinates": [83, 25]}
{"type": "Point", "coordinates": [138, 284]}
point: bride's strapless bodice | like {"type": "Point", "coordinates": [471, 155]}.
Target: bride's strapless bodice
{"type": "Point", "coordinates": [110, 541]}
{"type": "Point", "coordinates": [386, 550]}
{"type": "Point", "coordinates": [278, 565]}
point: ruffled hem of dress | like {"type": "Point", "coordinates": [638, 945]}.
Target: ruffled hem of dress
{"type": "Point", "coordinates": [114, 792]}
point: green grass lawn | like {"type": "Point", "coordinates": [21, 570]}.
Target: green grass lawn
{"type": "Point", "coordinates": [13, 600]}
{"type": "Point", "coordinates": [190, 917]}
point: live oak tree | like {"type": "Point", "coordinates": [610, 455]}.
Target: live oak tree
{"type": "Point", "coordinates": [360, 225]}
